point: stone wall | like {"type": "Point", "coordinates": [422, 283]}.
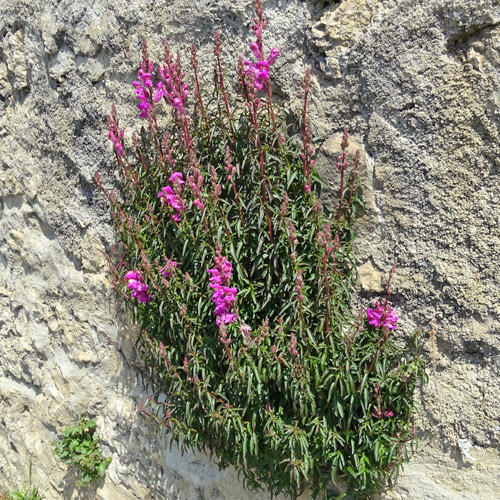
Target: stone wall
{"type": "Point", "coordinates": [418, 86]}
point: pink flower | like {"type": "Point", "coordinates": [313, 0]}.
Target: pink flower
{"type": "Point", "coordinates": [223, 295]}
{"type": "Point", "coordinates": [160, 91]}
{"type": "Point", "coordinates": [178, 105]}
{"type": "Point", "coordinates": [143, 95]}
{"type": "Point", "coordinates": [292, 349]}
{"type": "Point", "coordinates": [176, 176]}
{"type": "Point", "coordinates": [379, 413]}
{"type": "Point", "coordinates": [262, 65]}
{"type": "Point", "coordinates": [254, 47]}
{"type": "Point", "coordinates": [222, 273]}
{"type": "Point", "coordinates": [139, 289]}
{"type": "Point", "coordinates": [382, 316]}
{"type": "Point", "coordinates": [145, 78]}
{"type": "Point", "coordinates": [260, 69]}
{"type": "Point", "coordinates": [134, 275]}
{"type": "Point", "coordinates": [275, 52]}
{"type": "Point", "coordinates": [246, 331]}
{"type": "Point", "coordinates": [174, 89]}
{"type": "Point", "coordinates": [115, 135]}
{"type": "Point", "coordinates": [116, 143]}
{"type": "Point", "coordinates": [168, 269]}
{"type": "Point", "coordinates": [169, 197]}
{"type": "Point", "coordinates": [226, 318]}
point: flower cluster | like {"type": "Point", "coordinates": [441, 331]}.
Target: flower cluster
{"type": "Point", "coordinates": [139, 289]}
{"type": "Point", "coordinates": [382, 316]}
{"type": "Point", "coordinates": [143, 88]}
{"type": "Point", "coordinates": [168, 269]}
{"type": "Point", "coordinates": [196, 183]}
{"type": "Point", "coordinates": [379, 413]}
{"type": "Point", "coordinates": [223, 295]}
{"type": "Point", "coordinates": [114, 133]}
{"type": "Point", "coordinates": [169, 196]}
{"type": "Point", "coordinates": [172, 87]}
{"type": "Point", "coordinates": [229, 167]}
{"type": "Point", "coordinates": [260, 69]}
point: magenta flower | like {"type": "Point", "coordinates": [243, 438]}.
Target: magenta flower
{"type": "Point", "coordinates": [134, 275]}
{"type": "Point", "coordinates": [195, 182]}
{"type": "Point", "coordinates": [176, 176]}
{"type": "Point", "coordinates": [142, 94]}
{"type": "Point", "coordinates": [139, 289]}
{"type": "Point", "coordinates": [169, 197]}
{"type": "Point", "coordinates": [145, 78]}
{"type": "Point", "coordinates": [178, 105]}
{"type": "Point", "coordinates": [223, 296]}
{"type": "Point", "coordinates": [168, 269]}
{"type": "Point", "coordinates": [117, 143]}
{"type": "Point", "coordinates": [114, 133]}
{"type": "Point", "coordinates": [174, 90]}
{"type": "Point", "coordinates": [275, 52]}
{"type": "Point", "coordinates": [254, 47]}
{"type": "Point", "coordinates": [161, 91]}
{"type": "Point", "coordinates": [260, 69]}
{"type": "Point", "coordinates": [382, 316]}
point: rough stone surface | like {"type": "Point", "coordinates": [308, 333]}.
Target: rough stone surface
{"type": "Point", "coordinates": [418, 86]}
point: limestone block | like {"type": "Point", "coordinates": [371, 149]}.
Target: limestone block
{"type": "Point", "coordinates": [369, 278]}
{"type": "Point", "coordinates": [16, 59]}
{"type": "Point", "coordinates": [62, 64]}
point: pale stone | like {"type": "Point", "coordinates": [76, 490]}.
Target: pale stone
{"type": "Point", "coordinates": [369, 278]}
{"type": "Point", "coordinates": [62, 64]}
{"type": "Point", "coordinates": [16, 60]}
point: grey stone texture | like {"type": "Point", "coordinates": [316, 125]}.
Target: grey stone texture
{"type": "Point", "coordinates": [417, 83]}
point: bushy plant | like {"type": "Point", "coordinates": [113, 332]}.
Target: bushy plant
{"type": "Point", "coordinates": [242, 283]}
{"type": "Point", "coordinates": [79, 447]}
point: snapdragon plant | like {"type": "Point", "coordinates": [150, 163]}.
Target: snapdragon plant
{"type": "Point", "coordinates": [241, 281]}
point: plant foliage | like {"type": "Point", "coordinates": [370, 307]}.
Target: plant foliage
{"type": "Point", "coordinates": [25, 492]}
{"type": "Point", "coordinates": [79, 448]}
{"type": "Point", "coordinates": [242, 283]}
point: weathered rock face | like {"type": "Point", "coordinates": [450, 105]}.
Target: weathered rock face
{"type": "Point", "coordinates": [418, 86]}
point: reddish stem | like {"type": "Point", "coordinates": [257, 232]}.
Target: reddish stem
{"type": "Point", "coordinates": [223, 90]}
{"type": "Point", "coordinates": [237, 199]}
{"type": "Point", "coordinates": [327, 289]}
{"type": "Point", "coordinates": [341, 197]}
{"type": "Point", "coordinates": [306, 154]}
{"type": "Point", "coordinates": [198, 93]}
{"type": "Point", "coordinates": [271, 111]}
{"type": "Point", "coordinates": [262, 171]}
